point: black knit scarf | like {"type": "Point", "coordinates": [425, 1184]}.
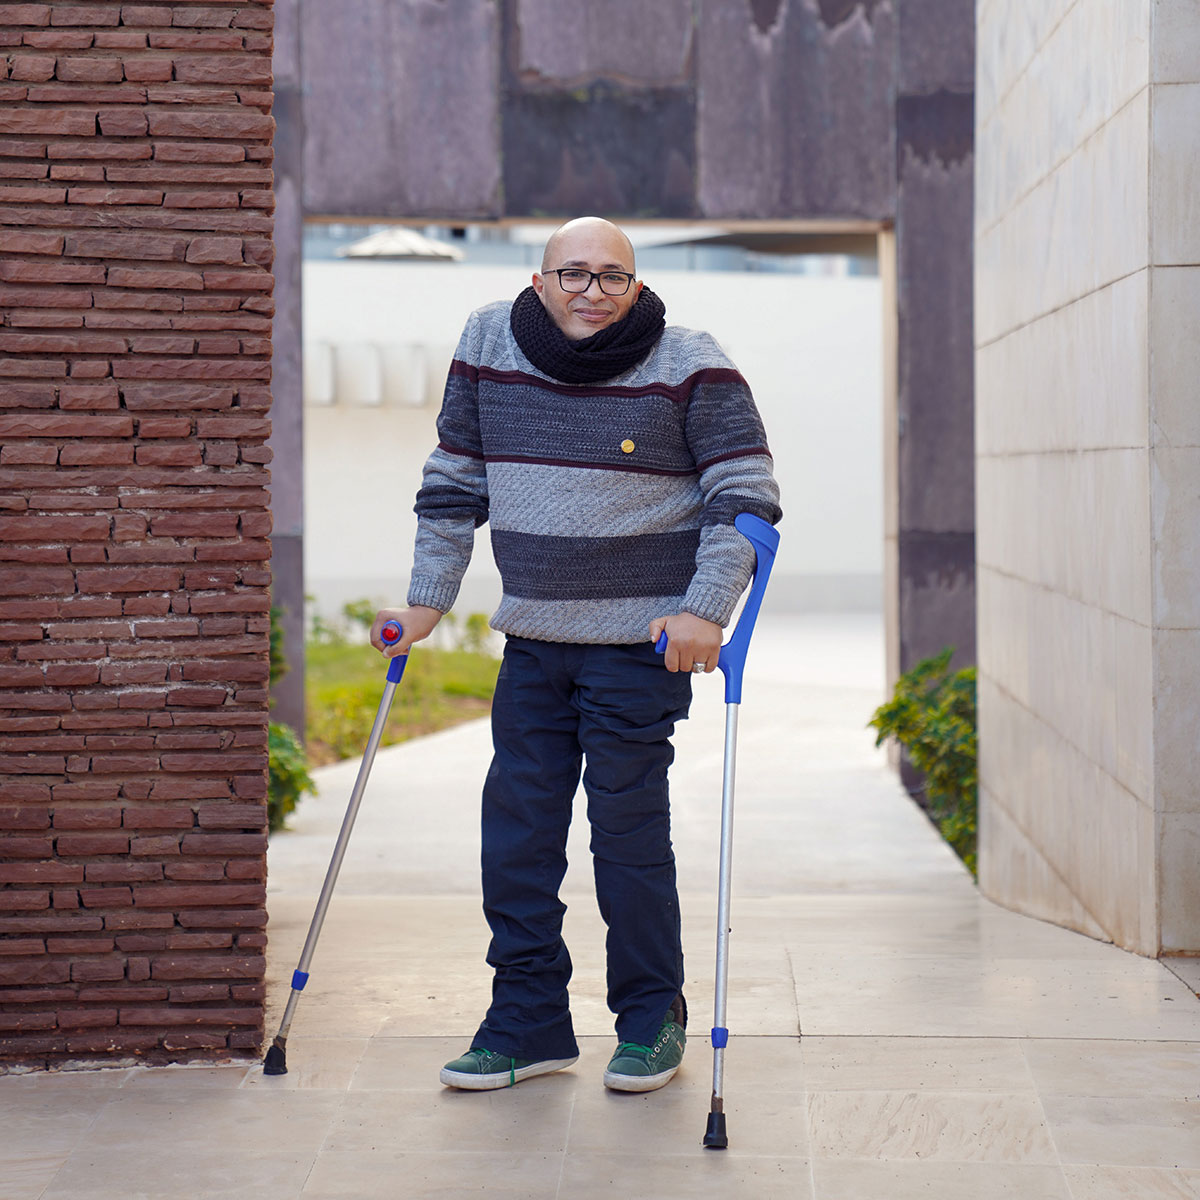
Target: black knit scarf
{"type": "Point", "coordinates": [614, 349]}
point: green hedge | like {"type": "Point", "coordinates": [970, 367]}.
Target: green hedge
{"type": "Point", "coordinates": [932, 716]}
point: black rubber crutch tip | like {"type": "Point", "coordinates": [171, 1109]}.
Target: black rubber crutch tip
{"type": "Point", "coordinates": [276, 1061]}
{"type": "Point", "coordinates": [714, 1135]}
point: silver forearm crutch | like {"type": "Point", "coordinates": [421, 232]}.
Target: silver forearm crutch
{"type": "Point", "coordinates": [275, 1062]}
{"type": "Point", "coordinates": [732, 661]}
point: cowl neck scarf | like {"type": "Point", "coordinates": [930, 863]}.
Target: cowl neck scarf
{"type": "Point", "coordinates": [614, 349]}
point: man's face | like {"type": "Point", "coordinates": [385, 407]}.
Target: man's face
{"type": "Point", "coordinates": [591, 247]}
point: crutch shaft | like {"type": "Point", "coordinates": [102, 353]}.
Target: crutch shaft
{"type": "Point", "coordinates": [300, 976]}
{"type": "Point", "coordinates": [339, 850]}
{"type": "Point", "coordinates": [724, 889]}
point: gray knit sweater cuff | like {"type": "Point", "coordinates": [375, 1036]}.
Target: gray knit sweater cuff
{"type": "Point", "coordinates": [432, 593]}
{"type": "Point", "coordinates": [710, 603]}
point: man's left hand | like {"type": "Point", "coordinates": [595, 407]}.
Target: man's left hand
{"type": "Point", "coordinates": [690, 640]}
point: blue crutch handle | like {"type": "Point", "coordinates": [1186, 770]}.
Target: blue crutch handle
{"type": "Point", "coordinates": [732, 661]}
{"type": "Point", "coordinates": [392, 632]}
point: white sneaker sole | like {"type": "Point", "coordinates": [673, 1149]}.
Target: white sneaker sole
{"type": "Point", "coordinates": [503, 1079]}
{"type": "Point", "coordinates": [638, 1083]}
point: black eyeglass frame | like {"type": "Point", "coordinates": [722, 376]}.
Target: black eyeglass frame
{"type": "Point", "coordinates": [599, 275]}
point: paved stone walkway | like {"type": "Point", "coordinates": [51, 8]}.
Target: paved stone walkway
{"type": "Point", "coordinates": [950, 1049]}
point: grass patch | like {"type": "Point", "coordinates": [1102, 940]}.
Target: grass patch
{"type": "Point", "coordinates": [344, 683]}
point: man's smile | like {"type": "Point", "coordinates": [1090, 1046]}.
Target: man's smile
{"type": "Point", "coordinates": [591, 314]}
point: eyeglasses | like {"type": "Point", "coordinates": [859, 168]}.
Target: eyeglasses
{"type": "Point", "coordinates": [575, 279]}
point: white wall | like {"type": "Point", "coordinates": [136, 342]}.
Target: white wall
{"type": "Point", "coordinates": [1088, 461]}
{"type": "Point", "coordinates": [810, 348]}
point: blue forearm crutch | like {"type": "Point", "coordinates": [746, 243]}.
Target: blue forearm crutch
{"type": "Point", "coordinates": [731, 663]}
{"type": "Point", "coordinates": [275, 1062]}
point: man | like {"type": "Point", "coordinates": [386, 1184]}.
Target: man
{"type": "Point", "coordinates": [611, 454]}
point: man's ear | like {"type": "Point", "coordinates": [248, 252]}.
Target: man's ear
{"type": "Point", "coordinates": [638, 291]}
{"type": "Point", "coordinates": [539, 285]}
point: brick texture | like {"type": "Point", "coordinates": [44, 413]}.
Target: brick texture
{"type": "Point", "coordinates": [135, 344]}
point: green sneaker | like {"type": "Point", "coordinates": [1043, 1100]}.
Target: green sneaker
{"type": "Point", "coordinates": [637, 1068]}
{"type": "Point", "coordinates": [483, 1070]}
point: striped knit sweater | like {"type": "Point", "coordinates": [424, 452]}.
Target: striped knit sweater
{"type": "Point", "coordinates": [610, 504]}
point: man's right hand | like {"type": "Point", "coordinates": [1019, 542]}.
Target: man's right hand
{"type": "Point", "coordinates": [417, 623]}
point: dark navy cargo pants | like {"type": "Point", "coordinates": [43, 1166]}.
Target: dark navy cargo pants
{"type": "Point", "coordinates": [611, 710]}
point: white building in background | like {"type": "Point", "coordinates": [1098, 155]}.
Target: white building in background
{"type": "Point", "coordinates": [378, 339]}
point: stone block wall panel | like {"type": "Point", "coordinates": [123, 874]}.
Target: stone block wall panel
{"type": "Point", "coordinates": [418, 84]}
{"type": "Point", "coordinates": [1087, 465]}
{"type": "Point", "coordinates": [795, 108]}
{"type": "Point", "coordinates": [936, 428]}
{"type": "Point", "coordinates": [135, 363]}
{"type": "Point", "coordinates": [627, 40]}
{"type": "Point", "coordinates": [287, 369]}
{"type": "Point", "coordinates": [601, 149]}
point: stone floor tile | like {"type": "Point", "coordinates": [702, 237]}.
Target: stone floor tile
{"type": "Point", "coordinates": [672, 1121]}
{"type": "Point", "coordinates": [532, 1118]}
{"type": "Point", "coordinates": [915, 1064]}
{"type": "Point", "coordinates": [1186, 968]}
{"type": "Point", "coordinates": [71, 1080]}
{"type": "Point", "coordinates": [751, 1063]}
{"type": "Point", "coordinates": [1131, 1183]}
{"type": "Point", "coordinates": [157, 1171]}
{"type": "Point", "coordinates": [26, 1173]}
{"type": "Point", "coordinates": [317, 1064]}
{"type": "Point", "coordinates": [36, 1120]}
{"type": "Point", "coordinates": [1168, 1070]}
{"type": "Point", "coordinates": [947, 1126]}
{"type": "Point", "coordinates": [699, 1175]}
{"type": "Point", "coordinates": [198, 1119]}
{"type": "Point", "coordinates": [445, 1174]}
{"type": "Point", "coordinates": [404, 1064]}
{"type": "Point", "coordinates": [848, 1179]}
{"type": "Point", "coordinates": [1125, 1132]}
{"type": "Point", "coordinates": [174, 1080]}
{"type": "Point", "coordinates": [962, 996]}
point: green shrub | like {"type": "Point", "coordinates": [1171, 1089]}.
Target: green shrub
{"type": "Point", "coordinates": [932, 716]}
{"type": "Point", "coordinates": [287, 761]}
{"type": "Point", "coordinates": [278, 664]}
{"type": "Point", "coordinates": [287, 773]}
{"type": "Point", "coordinates": [361, 613]}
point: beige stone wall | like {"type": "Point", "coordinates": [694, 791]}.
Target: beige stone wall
{"type": "Point", "coordinates": [1088, 463]}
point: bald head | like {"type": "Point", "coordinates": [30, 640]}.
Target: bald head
{"type": "Point", "coordinates": [596, 246]}
{"type": "Point", "coordinates": [592, 230]}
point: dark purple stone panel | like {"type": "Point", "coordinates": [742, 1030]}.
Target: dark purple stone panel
{"type": "Point", "coordinates": [600, 150]}
{"type": "Point", "coordinates": [935, 46]}
{"type": "Point", "coordinates": [937, 596]}
{"type": "Point", "coordinates": [795, 108]}
{"type": "Point", "coordinates": [287, 403]}
{"type": "Point", "coordinates": [402, 108]}
{"type": "Point", "coordinates": [936, 344]}
{"type": "Point", "coordinates": [934, 215]}
{"type": "Point", "coordinates": [628, 41]}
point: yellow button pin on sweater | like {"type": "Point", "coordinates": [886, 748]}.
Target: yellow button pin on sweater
{"type": "Point", "coordinates": [627, 446]}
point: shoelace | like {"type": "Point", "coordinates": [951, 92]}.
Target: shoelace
{"type": "Point", "coordinates": [486, 1057]}
{"type": "Point", "coordinates": [622, 1047]}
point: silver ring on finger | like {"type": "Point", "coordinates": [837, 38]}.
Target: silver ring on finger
{"type": "Point", "coordinates": [699, 668]}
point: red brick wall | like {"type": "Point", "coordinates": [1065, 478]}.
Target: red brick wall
{"type": "Point", "coordinates": [135, 289]}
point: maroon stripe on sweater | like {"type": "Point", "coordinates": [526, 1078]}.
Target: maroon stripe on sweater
{"type": "Point", "coordinates": [451, 449]}
{"type": "Point", "coordinates": [677, 393]}
{"type": "Point", "coordinates": [753, 452]}
{"type": "Point", "coordinates": [588, 466]}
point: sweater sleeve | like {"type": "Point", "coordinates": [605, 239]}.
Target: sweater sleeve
{"type": "Point", "coordinates": [453, 499]}
{"type": "Point", "coordinates": [726, 437]}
